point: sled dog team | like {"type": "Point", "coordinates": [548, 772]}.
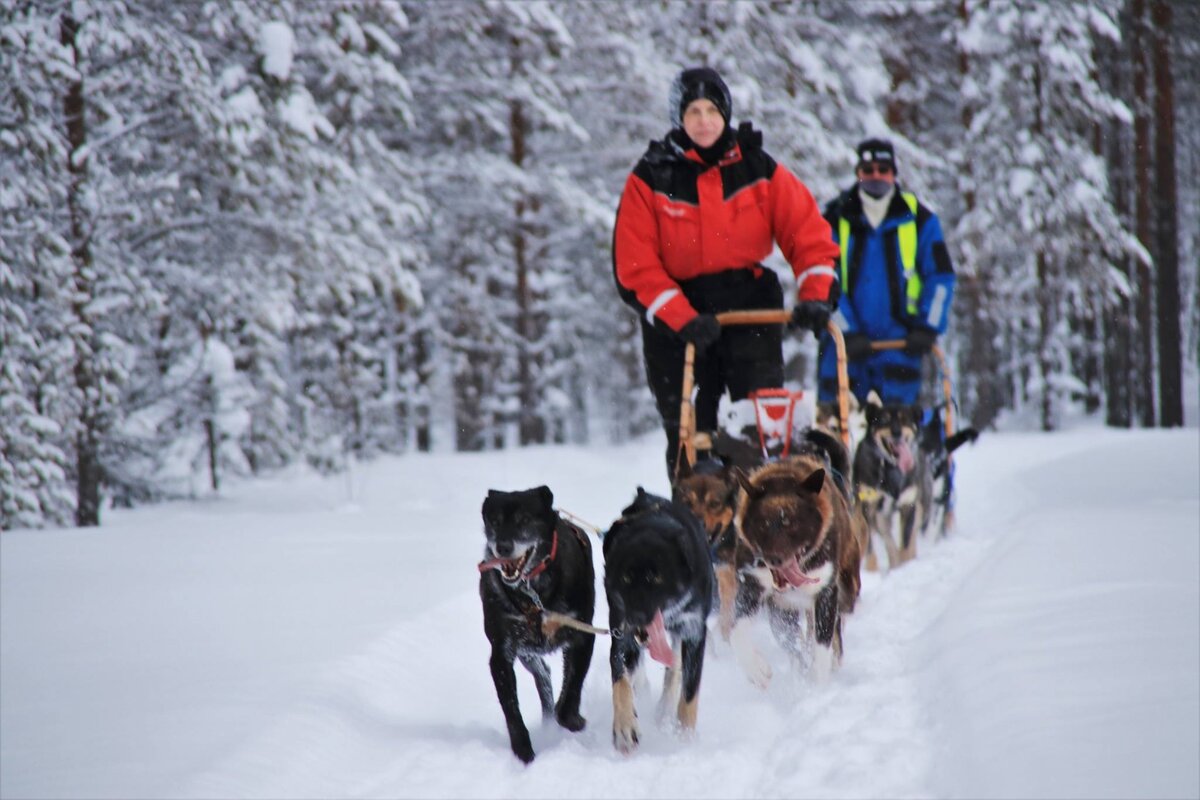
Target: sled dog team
{"type": "Point", "coordinates": [784, 538]}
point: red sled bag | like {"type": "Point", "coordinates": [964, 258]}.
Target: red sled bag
{"type": "Point", "coordinates": [771, 419]}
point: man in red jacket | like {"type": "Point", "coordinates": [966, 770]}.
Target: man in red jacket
{"type": "Point", "coordinates": [699, 213]}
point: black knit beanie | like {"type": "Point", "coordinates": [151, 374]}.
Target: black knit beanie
{"type": "Point", "coordinates": [694, 84]}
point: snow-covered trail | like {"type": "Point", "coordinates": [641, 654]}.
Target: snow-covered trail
{"type": "Point", "coordinates": [950, 687]}
{"type": "Point", "coordinates": [405, 717]}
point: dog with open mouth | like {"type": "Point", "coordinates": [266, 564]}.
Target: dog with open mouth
{"type": "Point", "coordinates": [537, 572]}
{"type": "Point", "coordinates": [805, 539]}
{"type": "Point", "coordinates": [890, 483]}
{"type": "Point", "coordinates": [659, 581]}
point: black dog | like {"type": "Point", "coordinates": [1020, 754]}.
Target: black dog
{"type": "Point", "coordinates": [534, 563]}
{"type": "Point", "coordinates": [659, 581]}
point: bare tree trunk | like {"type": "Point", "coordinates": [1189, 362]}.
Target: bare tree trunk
{"type": "Point", "coordinates": [87, 440]}
{"type": "Point", "coordinates": [1116, 329]}
{"type": "Point", "coordinates": [1166, 240]}
{"type": "Point", "coordinates": [531, 425]}
{"type": "Point", "coordinates": [1144, 284]}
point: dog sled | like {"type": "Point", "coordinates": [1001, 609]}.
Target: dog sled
{"type": "Point", "coordinates": [770, 406]}
{"type": "Point", "coordinates": [774, 413]}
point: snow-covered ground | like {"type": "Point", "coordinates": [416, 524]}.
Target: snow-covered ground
{"type": "Point", "coordinates": [309, 637]}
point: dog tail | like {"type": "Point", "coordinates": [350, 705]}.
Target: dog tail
{"type": "Point", "coordinates": [834, 451]}
{"type": "Point", "coordinates": [960, 438]}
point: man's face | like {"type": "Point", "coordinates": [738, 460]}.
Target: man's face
{"type": "Point", "coordinates": [875, 170]}
{"type": "Point", "coordinates": [703, 123]}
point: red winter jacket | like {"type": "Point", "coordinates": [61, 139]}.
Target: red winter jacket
{"type": "Point", "coordinates": [680, 218]}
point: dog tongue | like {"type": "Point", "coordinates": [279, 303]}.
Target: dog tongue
{"type": "Point", "coordinates": [656, 636]}
{"type": "Point", "coordinates": [792, 574]}
{"type": "Point", "coordinates": [904, 457]}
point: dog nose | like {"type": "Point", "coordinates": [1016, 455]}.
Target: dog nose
{"type": "Point", "coordinates": [504, 549]}
{"type": "Point", "coordinates": [776, 562]}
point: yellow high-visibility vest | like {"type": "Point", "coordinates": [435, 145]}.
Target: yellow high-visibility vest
{"type": "Point", "coordinates": [906, 235]}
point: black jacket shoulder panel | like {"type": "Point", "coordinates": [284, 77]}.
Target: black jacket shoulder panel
{"type": "Point", "coordinates": [754, 165]}
{"type": "Point", "coordinates": [667, 171]}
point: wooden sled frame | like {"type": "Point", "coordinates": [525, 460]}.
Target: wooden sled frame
{"type": "Point", "coordinates": [943, 371]}
{"type": "Point", "coordinates": [689, 439]}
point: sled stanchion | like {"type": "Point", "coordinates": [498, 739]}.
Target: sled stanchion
{"type": "Point", "coordinates": [947, 390]}
{"type": "Point", "coordinates": [687, 411]}
{"type": "Point", "coordinates": [843, 379]}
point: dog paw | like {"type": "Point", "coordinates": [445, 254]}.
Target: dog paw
{"type": "Point", "coordinates": [572, 722]}
{"type": "Point", "coordinates": [523, 751]}
{"type": "Point", "coordinates": [625, 736]}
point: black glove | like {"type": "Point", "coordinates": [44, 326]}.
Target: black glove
{"type": "Point", "coordinates": [811, 315]}
{"type": "Point", "coordinates": [858, 346]}
{"type": "Point", "coordinates": [701, 331]}
{"type": "Point", "coordinates": [918, 341]}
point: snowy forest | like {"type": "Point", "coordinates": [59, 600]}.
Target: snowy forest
{"type": "Point", "coordinates": [238, 235]}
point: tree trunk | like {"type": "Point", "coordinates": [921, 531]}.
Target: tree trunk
{"type": "Point", "coordinates": [1144, 284]}
{"type": "Point", "coordinates": [87, 440]}
{"type": "Point", "coordinates": [1166, 240]}
{"type": "Point", "coordinates": [1116, 333]}
{"type": "Point", "coordinates": [531, 425]}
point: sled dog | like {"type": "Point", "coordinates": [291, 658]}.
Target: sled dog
{"type": "Point", "coordinates": [804, 539]}
{"type": "Point", "coordinates": [887, 483]}
{"type": "Point", "coordinates": [534, 563]}
{"type": "Point", "coordinates": [659, 583]}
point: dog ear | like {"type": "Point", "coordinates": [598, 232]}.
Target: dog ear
{"type": "Point", "coordinates": [684, 468]}
{"type": "Point", "coordinates": [545, 495]}
{"type": "Point", "coordinates": [815, 481]}
{"type": "Point", "coordinates": [743, 480]}
{"type": "Point", "coordinates": [873, 400]}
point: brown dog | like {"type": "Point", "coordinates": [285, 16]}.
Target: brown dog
{"type": "Point", "coordinates": [710, 491]}
{"type": "Point", "coordinates": [798, 525]}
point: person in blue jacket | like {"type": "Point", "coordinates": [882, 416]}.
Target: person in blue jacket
{"type": "Point", "coordinates": [897, 282]}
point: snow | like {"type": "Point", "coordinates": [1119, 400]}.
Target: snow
{"type": "Point", "coordinates": [321, 637]}
{"type": "Point", "coordinates": [277, 44]}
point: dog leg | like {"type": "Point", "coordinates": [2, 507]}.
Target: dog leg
{"type": "Point", "coordinates": [692, 664]}
{"type": "Point", "coordinates": [827, 653]}
{"type": "Point", "coordinates": [625, 727]}
{"type": "Point", "coordinates": [541, 677]}
{"type": "Point", "coordinates": [727, 588]}
{"type": "Point", "coordinates": [506, 690]}
{"type": "Point", "coordinates": [751, 661]}
{"type": "Point", "coordinates": [623, 659]}
{"type": "Point", "coordinates": [577, 657]}
{"type": "Point", "coordinates": [908, 532]}
{"type": "Point", "coordinates": [785, 625]}
{"type": "Point", "coordinates": [889, 541]}
{"type": "Point", "coordinates": [672, 678]}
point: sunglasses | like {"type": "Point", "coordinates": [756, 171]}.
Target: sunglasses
{"type": "Point", "coordinates": [875, 169]}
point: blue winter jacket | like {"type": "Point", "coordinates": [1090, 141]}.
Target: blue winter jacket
{"type": "Point", "coordinates": [875, 298]}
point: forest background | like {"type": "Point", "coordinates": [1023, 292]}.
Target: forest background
{"type": "Point", "coordinates": [239, 235]}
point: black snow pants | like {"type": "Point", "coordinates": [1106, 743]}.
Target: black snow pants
{"type": "Point", "coordinates": [747, 357]}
